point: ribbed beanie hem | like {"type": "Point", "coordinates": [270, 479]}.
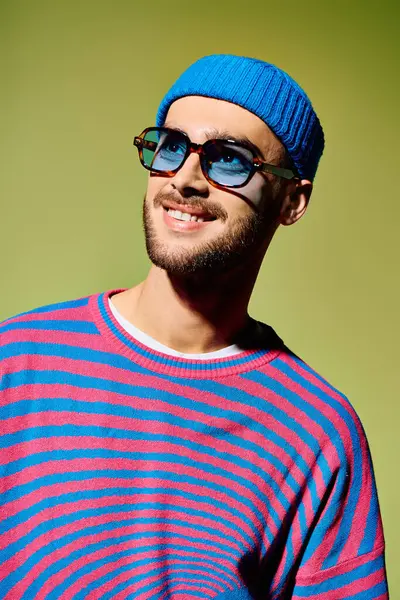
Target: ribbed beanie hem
{"type": "Point", "coordinates": [266, 91]}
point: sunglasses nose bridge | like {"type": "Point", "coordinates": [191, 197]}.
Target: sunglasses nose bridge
{"type": "Point", "coordinates": [195, 148]}
{"type": "Point", "coordinates": [190, 173]}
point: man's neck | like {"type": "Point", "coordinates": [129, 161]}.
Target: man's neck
{"type": "Point", "coordinates": [189, 315]}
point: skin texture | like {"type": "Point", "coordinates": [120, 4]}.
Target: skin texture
{"type": "Point", "coordinates": [196, 295]}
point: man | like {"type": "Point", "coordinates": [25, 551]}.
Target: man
{"type": "Point", "coordinates": [157, 441]}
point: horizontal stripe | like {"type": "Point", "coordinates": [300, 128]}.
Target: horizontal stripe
{"type": "Point", "coordinates": [49, 308]}
{"type": "Point", "coordinates": [53, 325]}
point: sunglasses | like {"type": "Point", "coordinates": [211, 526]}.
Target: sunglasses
{"type": "Point", "coordinates": [225, 163]}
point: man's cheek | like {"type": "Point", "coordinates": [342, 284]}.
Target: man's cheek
{"type": "Point", "coordinates": [154, 185]}
{"type": "Point", "coordinates": [254, 192]}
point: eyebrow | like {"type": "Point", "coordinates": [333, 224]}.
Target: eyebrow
{"type": "Point", "coordinates": [215, 134]}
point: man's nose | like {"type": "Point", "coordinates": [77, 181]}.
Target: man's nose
{"type": "Point", "coordinates": [190, 177]}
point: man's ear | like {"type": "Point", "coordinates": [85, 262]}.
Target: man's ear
{"type": "Point", "coordinates": [295, 202]}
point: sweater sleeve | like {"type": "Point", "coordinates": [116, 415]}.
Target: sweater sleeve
{"type": "Point", "coordinates": [344, 557]}
{"type": "Point", "coordinates": [360, 578]}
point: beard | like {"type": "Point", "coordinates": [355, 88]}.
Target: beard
{"type": "Point", "coordinates": [245, 237]}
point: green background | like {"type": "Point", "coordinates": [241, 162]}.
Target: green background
{"type": "Point", "coordinates": [80, 78]}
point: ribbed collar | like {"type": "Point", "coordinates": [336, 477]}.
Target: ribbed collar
{"type": "Point", "coordinates": [150, 359]}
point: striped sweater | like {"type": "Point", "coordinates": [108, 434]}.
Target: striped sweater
{"type": "Point", "coordinates": [130, 474]}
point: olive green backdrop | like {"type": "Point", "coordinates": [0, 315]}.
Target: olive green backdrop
{"type": "Point", "coordinates": [80, 78]}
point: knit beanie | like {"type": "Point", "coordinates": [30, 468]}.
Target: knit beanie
{"type": "Point", "coordinates": [263, 89]}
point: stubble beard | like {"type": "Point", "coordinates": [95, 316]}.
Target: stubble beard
{"type": "Point", "coordinates": [228, 251]}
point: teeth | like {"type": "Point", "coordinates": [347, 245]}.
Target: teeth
{"type": "Point", "coordinates": [182, 216]}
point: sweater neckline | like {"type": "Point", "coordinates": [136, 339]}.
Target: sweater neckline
{"type": "Point", "coordinates": [152, 343]}
{"type": "Point", "coordinates": [123, 343]}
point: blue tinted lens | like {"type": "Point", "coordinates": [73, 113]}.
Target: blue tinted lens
{"type": "Point", "coordinates": [228, 164]}
{"type": "Point", "coordinates": [168, 152]}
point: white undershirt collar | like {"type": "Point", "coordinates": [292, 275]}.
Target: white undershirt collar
{"type": "Point", "coordinates": [154, 345]}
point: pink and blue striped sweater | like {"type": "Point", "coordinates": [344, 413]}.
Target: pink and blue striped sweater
{"type": "Point", "coordinates": [129, 474]}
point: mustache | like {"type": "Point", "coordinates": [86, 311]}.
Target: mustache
{"type": "Point", "coordinates": [212, 208]}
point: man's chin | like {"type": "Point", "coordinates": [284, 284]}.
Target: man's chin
{"type": "Point", "coordinates": [178, 264]}
{"type": "Point", "coordinates": [205, 262]}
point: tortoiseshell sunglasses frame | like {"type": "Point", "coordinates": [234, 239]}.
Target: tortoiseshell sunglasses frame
{"type": "Point", "coordinates": [258, 164]}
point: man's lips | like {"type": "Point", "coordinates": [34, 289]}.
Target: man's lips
{"type": "Point", "coordinates": [187, 208]}
{"type": "Point", "coordinates": [181, 226]}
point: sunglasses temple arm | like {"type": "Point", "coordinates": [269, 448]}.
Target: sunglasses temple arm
{"type": "Point", "coordinates": [141, 143]}
{"type": "Point", "coordinates": [285, 173]}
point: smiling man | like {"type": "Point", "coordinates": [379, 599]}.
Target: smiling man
{"type": "Point", "coordinates": [158, 441]}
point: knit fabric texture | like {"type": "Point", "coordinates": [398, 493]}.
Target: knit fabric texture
{"type": "Point", "coordinates": [266, 91]}
{"type": "Point", "coordinates": [126, 473]}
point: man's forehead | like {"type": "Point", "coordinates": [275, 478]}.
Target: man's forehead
{"type": "Point", "coordinates": [209, 132]}
{"type": "Point", "coordinates": [210, 118]}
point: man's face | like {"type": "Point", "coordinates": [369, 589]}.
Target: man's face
{"type": "Point", "coordinates": [238, 223]}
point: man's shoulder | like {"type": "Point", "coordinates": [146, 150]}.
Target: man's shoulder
{"type": "Point", "coordinates": [67, 316]}
{"type": "Point", "coordinates": [302, 374]}
{"type": "Point", "coordinates": [315, 402]}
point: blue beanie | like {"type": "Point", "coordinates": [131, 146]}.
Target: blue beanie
{"type": "Point", "coordinates": [264, 90]}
